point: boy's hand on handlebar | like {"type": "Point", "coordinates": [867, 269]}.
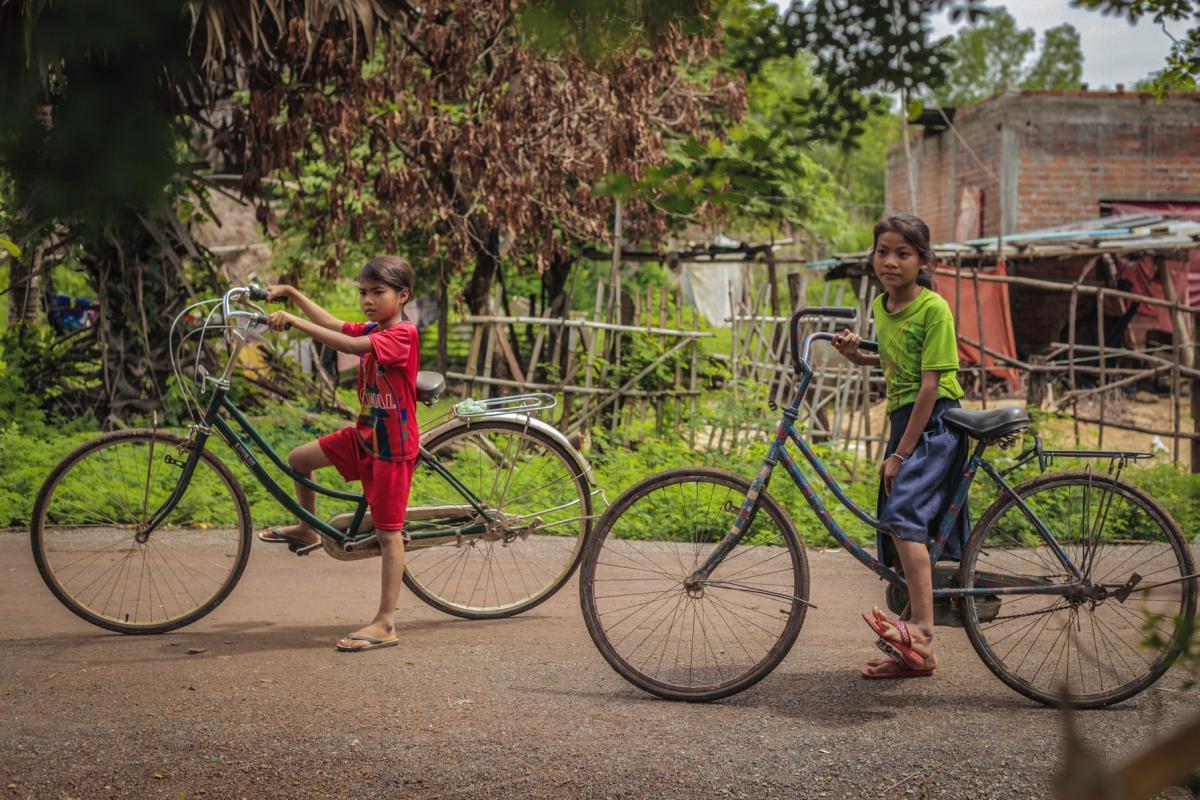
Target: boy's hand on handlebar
{"type": "Point", "coordinates": [846, 343]}
{"type": "Point", "coordinates": [279, 293]}
{"type": "Point", "coordinates": [280, 320]}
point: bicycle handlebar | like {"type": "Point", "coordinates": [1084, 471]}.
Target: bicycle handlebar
{"type": "Point", "coordinates": [800, 357]}
{"type": "Point", "coordinates": [255, 292]}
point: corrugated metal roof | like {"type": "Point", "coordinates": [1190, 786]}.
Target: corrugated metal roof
{"type": "Point", "coordinates": [1127, 233]}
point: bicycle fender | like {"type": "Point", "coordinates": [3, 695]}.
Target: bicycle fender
{"type": "Point", "coordinates": [581, 463]}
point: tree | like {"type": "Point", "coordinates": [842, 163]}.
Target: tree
{"type": "Point", "coordinates": [1060, 64]}
{"type": "Point", "coordinates": [464, 129]}
{"type": "Point", "coordinates": [100, 97]}
{"type": "Point", "coordinates": [1182, 71]}
{"type": "Point", "coordinates": [991, 56]}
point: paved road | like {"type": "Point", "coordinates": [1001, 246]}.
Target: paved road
{"type": "Point", "coordinates": [515, 708]}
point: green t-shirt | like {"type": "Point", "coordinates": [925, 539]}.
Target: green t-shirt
{"type": "Point", "coordinates": [918, 338]}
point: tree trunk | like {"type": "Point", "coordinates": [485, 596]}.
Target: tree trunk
{"type": "Point", "coordinates": [557, 304]}
{"type": "Point", "coordinates": [25, 286]}
{"type": "Point", "coordinates": [139, 279]}
{"type": "Point", "coordinates": [487, 261]}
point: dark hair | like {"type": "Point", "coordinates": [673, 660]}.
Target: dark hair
{"type": "Point", "coordinates": [916, 233]}
{"type": "Point", "coordinates": [391, 271]}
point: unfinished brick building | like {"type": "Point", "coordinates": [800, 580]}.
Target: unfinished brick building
{"type": "Point", "coordinates": [1027, 160]}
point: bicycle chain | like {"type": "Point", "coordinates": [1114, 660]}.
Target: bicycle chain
{"type": "Point", "coordinates": [1032, 613]}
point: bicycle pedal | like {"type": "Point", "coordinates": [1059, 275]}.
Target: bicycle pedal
{"type": "Point", "coordinates": [303, 550]}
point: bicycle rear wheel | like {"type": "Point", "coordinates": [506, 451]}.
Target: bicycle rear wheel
{"type": "Point", "coordinates": [541, 504]}
{"type": "Point", "coordinates": [704, 642]}
{"type": "Point", "coordinates": [1099, 649]}
{"type": "Point", "coordinates": [87, 517]}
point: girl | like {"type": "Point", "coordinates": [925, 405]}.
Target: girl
{"type": "Point", "coordinates": [381, 448]}
{"type": "Point", "coordinates": [918, 350]}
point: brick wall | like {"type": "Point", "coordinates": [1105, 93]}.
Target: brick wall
{"type": "Point", "coordinates": [1065, 152]}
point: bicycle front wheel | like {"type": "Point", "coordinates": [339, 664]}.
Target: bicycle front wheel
{"type": "Point", "coordinates": [540, 505]}
{"type": "Point", "coordinates": [86, 520]}
{"type": "Point", "coordinates": [678, 640]}
{"type": "Point", "coordinates": [1098, 647]}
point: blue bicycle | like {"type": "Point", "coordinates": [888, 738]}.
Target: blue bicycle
{"type": "Point", "coordinates": [694, 584]}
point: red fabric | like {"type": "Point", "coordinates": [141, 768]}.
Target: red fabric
{"type": "Point", "coordinates": [1174, 210]}
{"type": "Point", "coordinates": [1143, 275]}
{"type": "Point", "coordinates": [997, 321]}
{"type": "Point", "coordinates": [385, 483]}
{"type": "Point", "coordinates": [387, 390]}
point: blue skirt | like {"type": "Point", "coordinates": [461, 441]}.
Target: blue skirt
{"type": "Point", "coordinates": [924, 488]}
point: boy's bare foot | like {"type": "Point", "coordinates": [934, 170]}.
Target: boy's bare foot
{"type": "Point", "coordinates": [377, 631]}
{"type": "Point", "coordinates": [301, 533]}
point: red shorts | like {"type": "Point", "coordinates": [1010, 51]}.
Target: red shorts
{"type": "Point", "coordinates": [385, 483]}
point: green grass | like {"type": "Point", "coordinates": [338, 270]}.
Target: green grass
{"type": "Point", "coordinates": [29, 450]}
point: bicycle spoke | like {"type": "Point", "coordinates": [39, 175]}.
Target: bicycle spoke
{"type": "Point", "coordinates": [1099, 651]}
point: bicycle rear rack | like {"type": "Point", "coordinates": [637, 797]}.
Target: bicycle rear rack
{"type": "Point", "coordinates": [497, 406]}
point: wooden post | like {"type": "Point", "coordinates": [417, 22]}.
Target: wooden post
{"type": "Point", "coordinates": [694, 347]}
{"type": "Point", "coordinates": [443, 301]}
{"type": "Point", "coordinates": [1196, 394]}
{"type": "Point", "coordinates": [982, 340]}
{"type": "Point", "coordinates": [1103, 376]}
{"type": "Point", "coordinates": [1179, 335]}
{"type": "Point", "coordinates": [1072, 309]}
{"type": "Point", "coordinates": [591, 343]}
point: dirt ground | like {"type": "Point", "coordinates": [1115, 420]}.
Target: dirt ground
{"type": "Point", "coordinates": [523, 707]}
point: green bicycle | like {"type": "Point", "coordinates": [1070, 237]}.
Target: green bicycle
{"type": "Point", "coordinates": [145, 531]}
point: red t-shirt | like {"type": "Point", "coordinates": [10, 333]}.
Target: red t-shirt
{"type": "Point", "coordinates": [387, 391]}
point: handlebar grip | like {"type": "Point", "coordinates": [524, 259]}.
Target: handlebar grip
{"type": "Point", "coordinates": [263, 319]}
{"type": "Point", "coordinates": [840, 312]}
{"type": "Point", "coordinates": [257, 292]}
{"type": "Point", "coordinates": [869, 346]}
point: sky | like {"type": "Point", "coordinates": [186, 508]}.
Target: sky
{"type": "Point", "coordinates": [1113, 50]}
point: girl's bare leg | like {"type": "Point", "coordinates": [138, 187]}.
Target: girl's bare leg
{"type": "Point", "coordinates": [383, 626]}
{"type": "Point", "coordinates": [305, 459]}
{"type": "Point", "coordinates": [918, 573]}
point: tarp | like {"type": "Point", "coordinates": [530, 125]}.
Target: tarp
{"type": "Point", "coordinates": [997, 321]}
{"type": "Point", "coordinates": [1143, 274]}
{"type": "Point", "coordinates": [1174, 210]}
{"type": "Point", "coordinates": [708, 286]}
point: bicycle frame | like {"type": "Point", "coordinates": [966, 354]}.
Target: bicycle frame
{"type": "Point", "coordinates": [212, 420]}
{"type": "Point", "coordinates": [779, 453]}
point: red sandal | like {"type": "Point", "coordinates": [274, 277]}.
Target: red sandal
{"type": "Point", "coordinates": [902, 649]}
{"type": "Point", "coordinates": [901, 671]}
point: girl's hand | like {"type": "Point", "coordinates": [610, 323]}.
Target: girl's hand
{"type": "Point", "coordinates": [280, 320]}
{"type": "Point", "coordinates": [846, 343]}
{"type": "Point", "coordinates": [279, 293]}
{"type": "Point", "coordinates": [888, 471]}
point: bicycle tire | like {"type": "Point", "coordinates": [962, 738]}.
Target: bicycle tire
{"type": "Point", "coordinates": [44, 539]}
{"type": "Point", "coordinates": [1169, 557]}
{"type": "Point", "coordinates": [562, 552]}
{"type": "Point", "coordinates": [784, 635]}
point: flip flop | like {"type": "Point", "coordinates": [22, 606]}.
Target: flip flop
{"type": "Point", "coordinates": [276, 536]}
{"type": "Point", "coordinates": [372, 644]}
{"type": "Point", "coordinates": [297, 546]}
{"type": "Point", "coordinates": [902, 671]}
{"type": "Point", "coordinates": [902, 649]}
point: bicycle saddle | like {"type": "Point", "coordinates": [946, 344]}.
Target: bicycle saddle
{"type": "Point", "coordinates": [430, 386]}
{"type": "Point", "coordinates": [988, 425]}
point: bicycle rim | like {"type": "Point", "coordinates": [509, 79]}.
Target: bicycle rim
{"type": "Point", "coordinates": [1098, 652]}
{"type": "Point", "coordinates": [541, 506]}
{"type": "Point", "coordinates": [85, 524]}
{"type": "Point", "coordinates": [693, 643]}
